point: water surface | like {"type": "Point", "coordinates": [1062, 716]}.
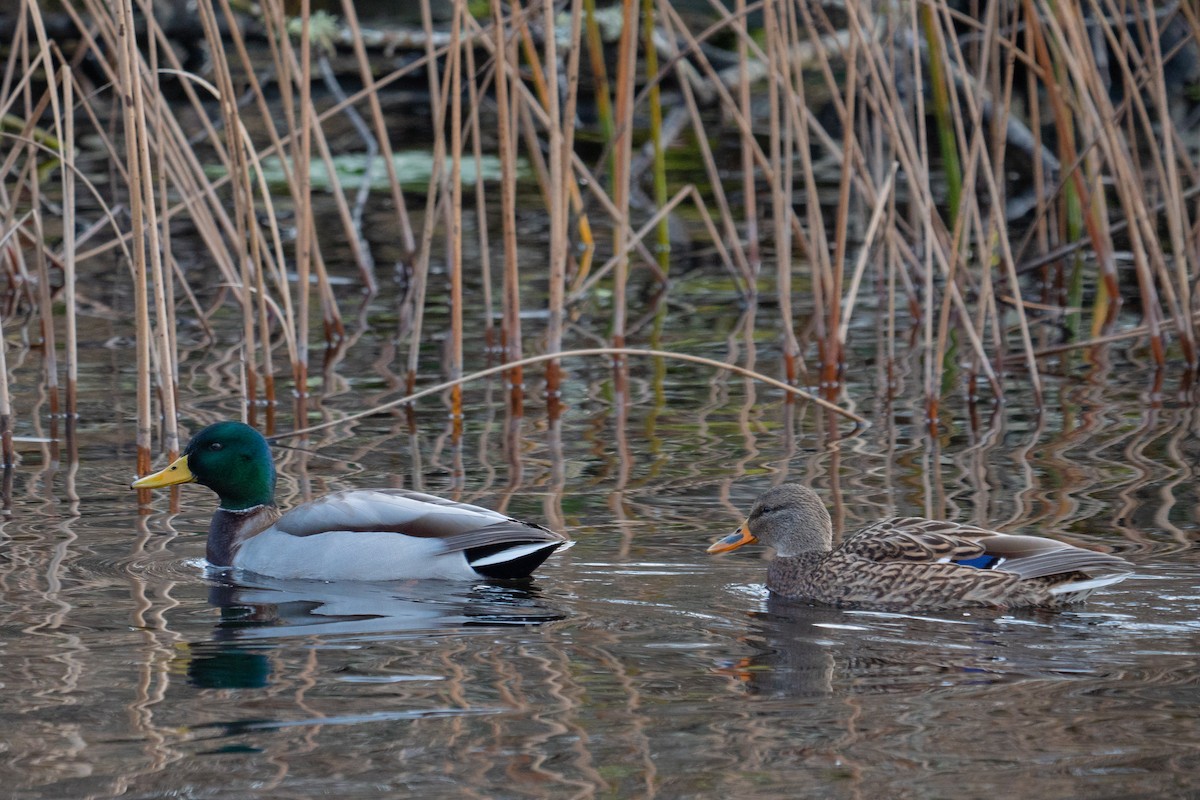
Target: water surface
{"type": "Point", "coordinates": [634, 665]}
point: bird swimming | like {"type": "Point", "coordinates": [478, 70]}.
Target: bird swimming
{"type": "Point", "coordinates": [356, 534]}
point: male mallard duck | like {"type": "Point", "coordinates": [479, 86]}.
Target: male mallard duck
{"type": "Point", "coordinates": [358, 534]}
{"type": "Point", "coordinates": [914, 563]}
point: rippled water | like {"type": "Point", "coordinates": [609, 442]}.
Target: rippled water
{"type": "Point", "coordinates": [634, 665]}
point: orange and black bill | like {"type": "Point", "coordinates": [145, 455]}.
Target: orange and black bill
{"type": "Point", "coordinates": [734, 540]}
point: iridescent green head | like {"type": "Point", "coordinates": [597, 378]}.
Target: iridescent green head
{"type": "Point", "coordinates": [230, 458]}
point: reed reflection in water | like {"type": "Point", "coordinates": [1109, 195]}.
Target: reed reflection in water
{"type": "Point", "coordinates": [634, 665]}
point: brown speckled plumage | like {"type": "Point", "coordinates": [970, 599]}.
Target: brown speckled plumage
{"type": "Point", "coordinates": [904, 563]}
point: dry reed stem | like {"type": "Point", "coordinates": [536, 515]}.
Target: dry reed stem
{"type": "Point", "coordinates": [68, 244]}
{"type": "Point", "coordinates": [243, 211]}
{"type": "Point", "coordinates": [883, 202]}
{"type": "Point", "coordinates": [585, 352]}
{"type": "Point", "coordinates": [1115, 143]}
{"type": "Point", "coordinates": [306, 235]}
{"type": "Point", "coordinates": [749, 182]}
{"type": "Point", "coordinates": [439, 94]}
{"type": "Point", "coordinates": [127, 56]}
{"type": "Point", "coordinates": [366, 75]}
{"type": "Point", "coordinates": [621, 248]}
{"type": "Point", "coordinates": [622, 153]}
{"type": "Point", "coordinates": [481, 217]}
{"type": "Point", "coordinates": [455, 233]}
{"type": "Point", "coordinates": [165, 346]}
{"type": "Point", "coordinates": [746, 265]}
{"type": "Point", "coordinates": [558, 175]}
{"type": "Point", "coordinates": [505, 119]}
{"type": "Point", "coordinates": [1177, 216]}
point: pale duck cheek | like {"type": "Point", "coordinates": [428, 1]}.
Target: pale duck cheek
{"type": "Point", "coordinates": [344, 555]}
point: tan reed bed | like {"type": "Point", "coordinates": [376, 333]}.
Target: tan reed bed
{"type": "Point", "coordinates": [893, 198]}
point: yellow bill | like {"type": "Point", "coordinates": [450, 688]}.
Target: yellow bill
{"type": "Point", "coordinates": [176, 472]}
{"type": "Point", "coordinates": [734, 540]}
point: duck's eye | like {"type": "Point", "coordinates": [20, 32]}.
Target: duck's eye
{"type": "Point", "coordinates": [215, 446]}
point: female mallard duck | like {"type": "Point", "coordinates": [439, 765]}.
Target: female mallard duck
{"type": "Point", "coordinates": [913, 563]}
{"type": "Point", "coordinates": [359, 534]}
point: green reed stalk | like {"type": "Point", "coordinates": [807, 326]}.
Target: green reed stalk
{"type": "Point", "coordinates": [601, 92]}
{"type": "Point", "coordinates": [1064, 131]}
{"type": "Point", "coordinates": [942, 114]}
{"type": "Point", "coordinates": [656, 119]}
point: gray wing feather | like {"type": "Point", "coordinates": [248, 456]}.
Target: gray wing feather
{"type": "Point", "coordinates": [412, 514]}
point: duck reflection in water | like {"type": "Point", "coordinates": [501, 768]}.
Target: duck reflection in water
{"type": "Point", "coordinates": [795, 658]}
{"type": "Point", "coordinates": [256, 609]}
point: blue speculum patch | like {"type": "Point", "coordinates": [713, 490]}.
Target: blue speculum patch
{"type": "Point", "coordinates": [985, 561]}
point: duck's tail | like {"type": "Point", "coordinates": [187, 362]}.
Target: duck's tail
{"type": "Point", "coordinates": [1072, 591]}
{"type": "Point", "coordinates": [512, 560]}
